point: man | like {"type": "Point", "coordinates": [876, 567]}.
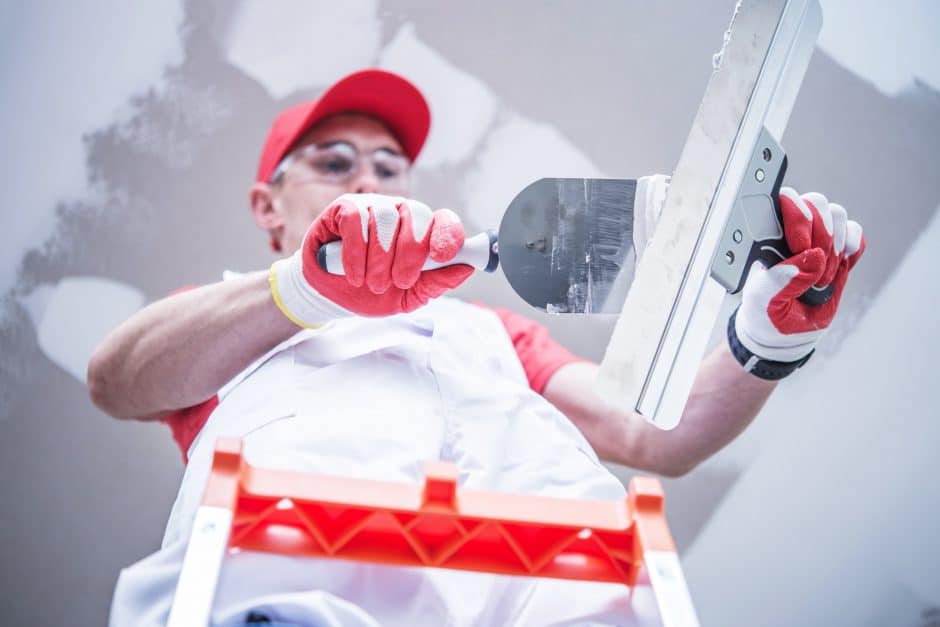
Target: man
{"type": "Point", "coordinates": [373, 372]}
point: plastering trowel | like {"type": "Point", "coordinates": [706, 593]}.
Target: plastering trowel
{"type": "Point", "coordinates": [566, 245]}
{"type": "Point", "coordinates": [716, 210]}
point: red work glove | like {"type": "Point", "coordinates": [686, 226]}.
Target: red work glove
{"type": "Point", "coordinates": [386, 240]}
{"type": "Point", "coordinates": [772, 333]}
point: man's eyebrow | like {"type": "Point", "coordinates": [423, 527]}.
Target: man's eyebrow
{"type": "Point", "coordinates": [385, 148]}
{"type": "Point", "coordinates": [390, 149]}
{"type": "Point", "coordinates": [335, 142]}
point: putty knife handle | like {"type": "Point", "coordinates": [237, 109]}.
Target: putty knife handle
{"type": "Point", "coordinates": [480, 251]}
{"type": "Point", "coordinates": [754, 231]}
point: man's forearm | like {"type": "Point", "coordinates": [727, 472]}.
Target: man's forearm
{"type": "Point", "coordinates": [723, 402]}
{"type": "Point", "coordinates": [179, 351]}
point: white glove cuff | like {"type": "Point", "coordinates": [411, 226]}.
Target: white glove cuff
{"type": "Point", "coordinates": [768, 369]}
{"type": "Point", "coordinates": [297, 299]}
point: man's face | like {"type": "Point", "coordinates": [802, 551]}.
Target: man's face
{"type": "Point", "coordinates": [315, 174]}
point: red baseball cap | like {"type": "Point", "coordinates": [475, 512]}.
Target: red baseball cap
{"type": "Point", "coordinates": [384, 95]}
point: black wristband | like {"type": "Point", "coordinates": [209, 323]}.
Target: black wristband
{"type": "Point", "coordinates": [762, 368]}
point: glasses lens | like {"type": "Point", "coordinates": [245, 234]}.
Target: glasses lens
{"type": "Point", "coordinates": [339, 162]}
{"type": "Point", "coordinates": [333, 163]}
{"type": "Point", "coordinates": [388, 165]}
{"type": "Point", "coordinates": [391, 169]}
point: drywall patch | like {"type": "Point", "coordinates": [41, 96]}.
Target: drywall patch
{"type": "Point", "coordinates": [72, 317]}
{"type": "Point", "coordinates": [517, 152]}
{"type": "Point", "coordinates": [46, 56]}
{"type": "Point", "coordinates": [892, 45]}
{"type": "Point", "coordinates": [462, 106]}
{"type": "Point", "coordinates": [295, 44]}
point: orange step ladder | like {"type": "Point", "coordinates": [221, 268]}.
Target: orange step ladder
{"type": "Point", "coordinates": [438, 524]}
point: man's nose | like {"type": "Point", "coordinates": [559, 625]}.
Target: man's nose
{"type": "Point", "coordinates": [365, 182]}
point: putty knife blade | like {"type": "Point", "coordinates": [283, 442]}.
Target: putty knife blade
{"type": "Point", "coordinates": [566, 245]}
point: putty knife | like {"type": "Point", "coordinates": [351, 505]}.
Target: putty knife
{"type": "Point", "coordinates": [565, 245]}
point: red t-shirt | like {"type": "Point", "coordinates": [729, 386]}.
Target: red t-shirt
{"type": "Point", "coordinates": [540, 356]}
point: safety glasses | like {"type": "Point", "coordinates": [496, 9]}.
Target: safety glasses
{"type": "Point", "coordinates": [337, 163]}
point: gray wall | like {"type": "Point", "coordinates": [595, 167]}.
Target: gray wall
{"type": "Point", "coordinates": [133, 135]}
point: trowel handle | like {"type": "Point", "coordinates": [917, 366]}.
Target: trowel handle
{"type": "Point", "coordinates": [776, 250]}
{"type": "Point", "coordinates": [754, 231]}
{"type": "Point", "coordinates": [773, 251]}
{"type": "Point", "coordinates": [480, 251]}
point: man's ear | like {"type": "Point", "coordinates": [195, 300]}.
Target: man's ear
{"type": "Point", "coordinates": [266, 216]}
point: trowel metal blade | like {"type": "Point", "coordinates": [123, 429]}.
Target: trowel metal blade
{"type": "Point", "coordinates": [566, 245]}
